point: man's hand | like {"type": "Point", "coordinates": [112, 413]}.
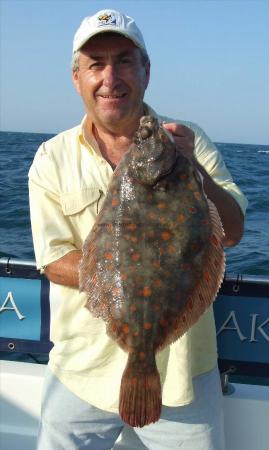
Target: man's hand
{"type": "Point", "coordinates": [184, 138]}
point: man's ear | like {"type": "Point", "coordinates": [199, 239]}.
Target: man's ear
{"type": "Point", "coordinates": [147, 69]}
{"type": "Point", "coordinates": [75, 78]}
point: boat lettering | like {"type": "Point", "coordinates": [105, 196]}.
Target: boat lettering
{"type": "Point", "coordinates": [231, 324]}
{"type": "Point", "coordinates": [10, 300]}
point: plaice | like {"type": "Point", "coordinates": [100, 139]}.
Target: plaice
{"type": "Point", "coordinates": [153, 262]}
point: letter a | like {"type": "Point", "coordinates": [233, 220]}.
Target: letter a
{"type": "Point", "coordinates": [234, 328]}
{"type": "Point", "coordinates": [9, 298]}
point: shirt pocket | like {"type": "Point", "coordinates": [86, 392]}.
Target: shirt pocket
{"type": "Point", "coordinates": [75, 202]}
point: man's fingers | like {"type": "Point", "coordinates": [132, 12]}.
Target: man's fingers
{"type": "Point", "coordinates": [178, 129]}
{"type": "Point", "coordinates": [183, 137]}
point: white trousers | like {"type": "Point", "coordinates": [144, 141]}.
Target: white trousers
{"type": "Point", "coordinates": [69, 423]}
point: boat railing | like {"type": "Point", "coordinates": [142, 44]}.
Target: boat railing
{"type": "Point", "coordinates": [241, 314]}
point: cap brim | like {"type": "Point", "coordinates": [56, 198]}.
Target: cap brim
{"type": "Point", "coordinates": [108, 30]}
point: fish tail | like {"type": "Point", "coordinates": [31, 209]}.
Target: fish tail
{"type": "Point", "coordinates": [140, 396]}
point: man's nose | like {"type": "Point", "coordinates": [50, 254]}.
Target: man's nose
{"type": "Point", "coordinates": [111, 76]}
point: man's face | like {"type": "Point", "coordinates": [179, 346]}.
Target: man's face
{"type": "Point", "coordinates": [112, 80]}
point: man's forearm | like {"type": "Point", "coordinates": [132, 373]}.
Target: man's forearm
{"type": "Point", "coordinates": [229, 211]}
{"type": "Point", "coordinates": [65, 270]}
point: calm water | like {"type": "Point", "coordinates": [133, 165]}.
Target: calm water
{"type": "Point", "coordinates": [249, 165]}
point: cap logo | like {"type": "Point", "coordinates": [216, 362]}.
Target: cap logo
{"type": "Point", "coordinates": [106, 19]}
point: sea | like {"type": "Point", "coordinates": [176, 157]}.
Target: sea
{"type": "Point", "coordinates": [249, 165]}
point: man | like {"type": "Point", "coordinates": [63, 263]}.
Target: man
{"type": "Point", "coordinates": [67, 183]}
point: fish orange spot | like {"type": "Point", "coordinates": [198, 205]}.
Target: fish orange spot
{"type": "Point", "coordinates": [158, 282]}
{"type": "Point", "coordinates": [133, 308]}
{"type": "Point", "coordinates": [135, 257]}
{"type": "Point", "coordinates": [166, 235]}
{"type": "Point", "coordinates": [108, 255]}
{"type": "Point", "coordinates": [205, 222]}
{"type": "Point", "coordinates": [164, 322]}
{"type": "Point", "coordinates": [181, 218]}
{"type": "Point", "coordinates": [189, 186]}
{"type": "Point", "coordinates": [147, 291]}
{"type": "Point", "coordinates": [192, 210]}
{"type": "Point", "coordinates": [206, 275]}
{"type": "Point", "coordinates": [136, 333]}
{"type": "Point", "coordinates": [125, 328]}
{"type": "Point", "coordinates": [161, 205]}
{"type": "Point", "coordinates": [197, 195]}
{"type": "Point", "coordinates": [214, 240]}
{"type": "Point", "coordinates": [183, 176]}
{"type": "Point", "coordinates": [114, 202]}
{"type": "Point", "coordinates": [147, 325]}
{"type": "Point", "coordinates": [142, 355]}
{"type": "Point", "coordinates": [133, 239]}
{"type": "Point", "coordinates": [109, 227]}
{"type": "Point", "coordinates": [123, 276]}
{"type": "Point", "coordinates": [131, 226]}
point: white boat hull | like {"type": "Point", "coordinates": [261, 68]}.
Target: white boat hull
{"type": "Point", "coordinates": [246, 412]}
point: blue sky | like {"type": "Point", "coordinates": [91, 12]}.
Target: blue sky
{"type": "Point", "coordinates": [210, 63]}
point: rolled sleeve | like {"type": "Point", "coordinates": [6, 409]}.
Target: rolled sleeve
{"type": "Point", "coordinates": [52, 233]}
{"type": "Point", "coordinates": [211, 159]}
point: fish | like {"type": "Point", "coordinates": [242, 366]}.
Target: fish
{"type": "Point", "coordinates": [153, 262]}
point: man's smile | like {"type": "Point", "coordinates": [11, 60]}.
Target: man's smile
{"type": "Point", "coordinates": [112, 96]}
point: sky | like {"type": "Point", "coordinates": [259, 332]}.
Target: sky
{"type": "Point", "coordinates": [209, 63]}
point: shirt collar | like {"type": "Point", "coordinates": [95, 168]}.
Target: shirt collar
{"type": "Point", "coordinates": [90, 141]}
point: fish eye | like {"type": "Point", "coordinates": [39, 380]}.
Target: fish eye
{"type": "Point", "coordinates": [145, 132]}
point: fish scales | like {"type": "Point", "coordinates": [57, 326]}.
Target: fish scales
{"type": "Point", "coordinates": [153, 262]}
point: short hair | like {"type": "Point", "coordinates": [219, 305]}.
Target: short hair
{"type": "Point", "coordinates": [75, 61]}
{"type": "Point", "coordinates": [75, 58]}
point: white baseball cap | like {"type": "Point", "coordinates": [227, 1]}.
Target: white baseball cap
{"type": "Point", "coordinates": [108, 20]}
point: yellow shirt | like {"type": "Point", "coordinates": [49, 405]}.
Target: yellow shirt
{"type": "Point", "coordinates": [68, 181]}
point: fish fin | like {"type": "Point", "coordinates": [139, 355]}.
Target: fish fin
{"type": "Point", "coordinates": [87, 265]}
{"type": "Point", "coordinates": [140, 397]}
{"type": "Point", "coordinates": [90, 282]}
{"type": "Point", "coordinates": [206, 290]}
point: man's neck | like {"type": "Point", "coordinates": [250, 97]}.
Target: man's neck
{"type": "Point", "coordinates": [112, 144]}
